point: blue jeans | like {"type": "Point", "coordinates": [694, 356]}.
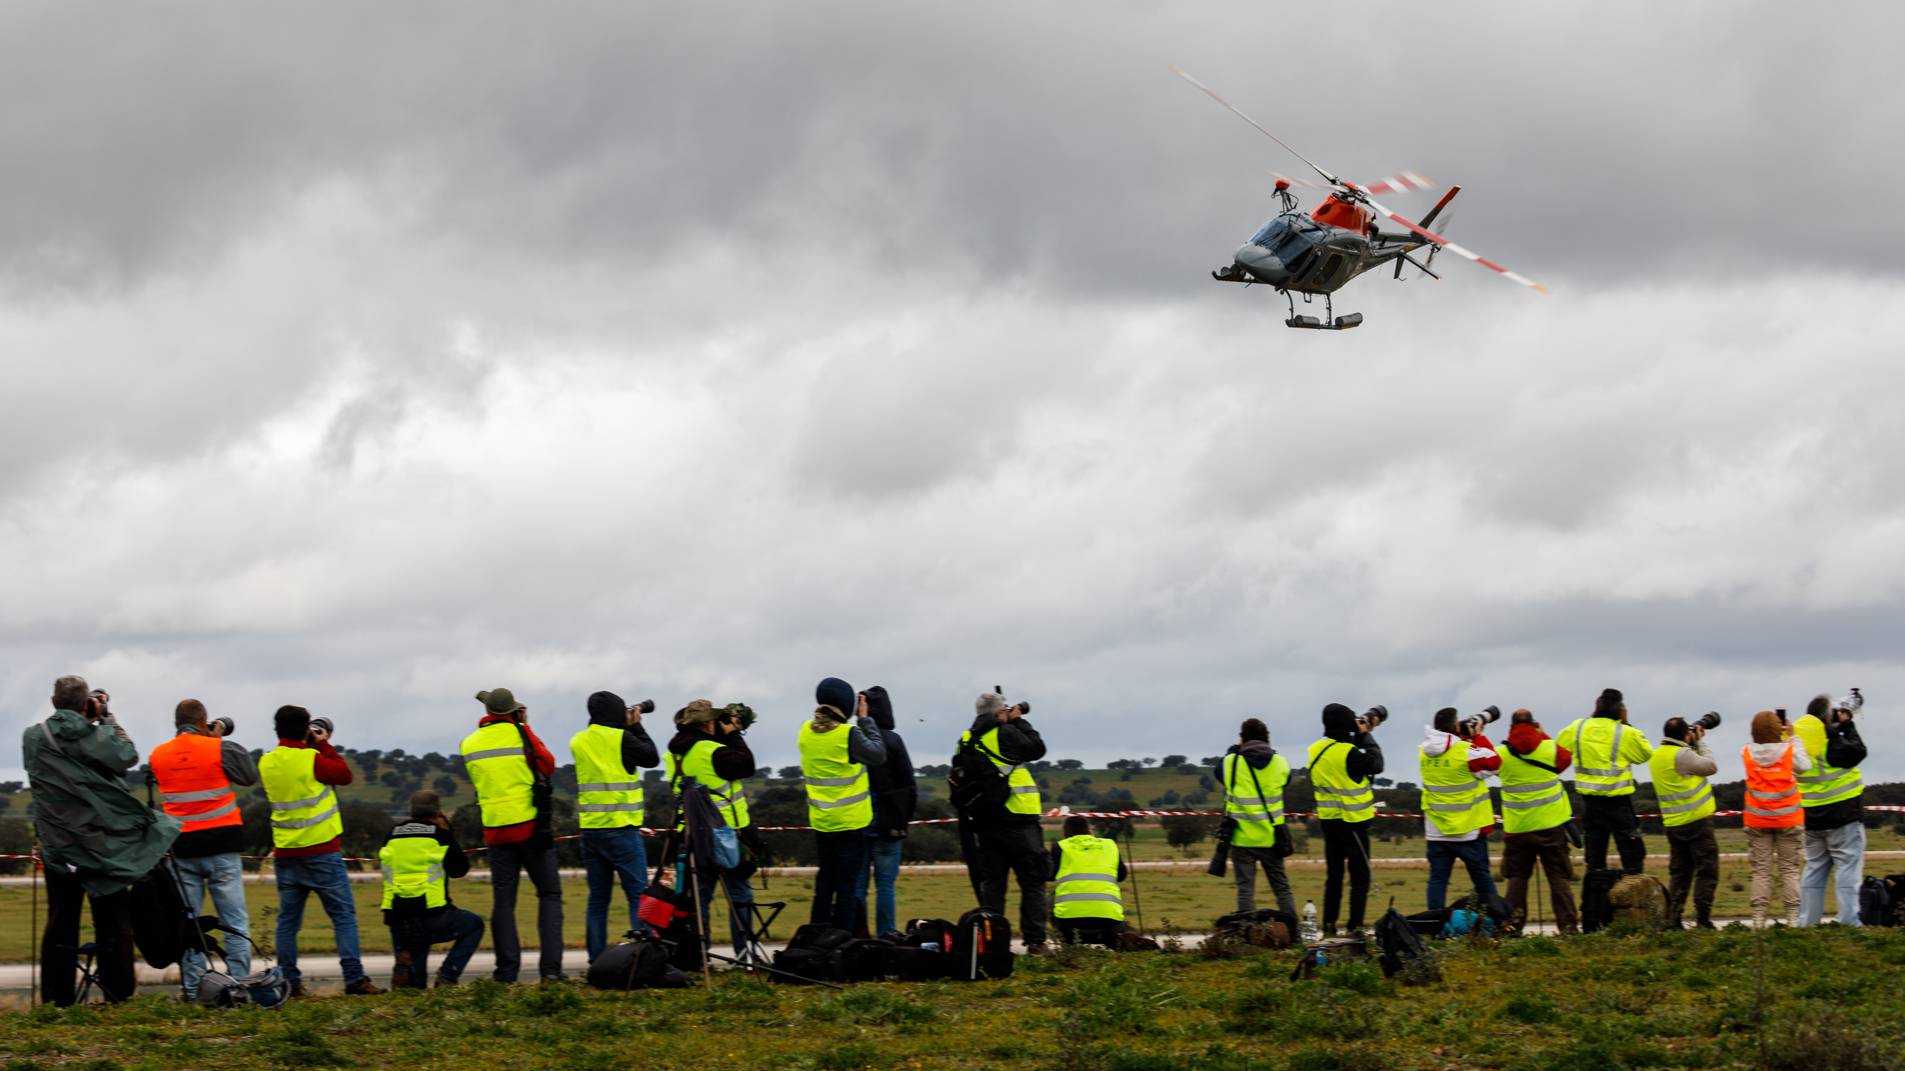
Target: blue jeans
{"type": "Point", "coordinates": [327, 876]}
{"type": "Point", "coordinates": [740, 907]}
{"type": "Point", "coordinates": [223, 876]}
{"type": "Point", "coordinates": [843, 854]}
{"type": "Point", "coordinates": [463, 928]}
{"type": "Point", "coordinates": [883, 857]}
{"type": "Point", "coordinates": [1442, 857]}
{"type": "Point", "coordinates": [608, 854]}
{"type": "Point", "coordinates": [1838, 854]}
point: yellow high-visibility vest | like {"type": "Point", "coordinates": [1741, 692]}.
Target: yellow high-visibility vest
{"type": "Point", "coordinates": [303, 811]}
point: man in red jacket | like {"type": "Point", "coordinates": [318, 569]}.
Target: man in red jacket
{"type": "Point", "coordinates": [505, 761]}
{"type": "Point", "coordinates": [1535, 812]}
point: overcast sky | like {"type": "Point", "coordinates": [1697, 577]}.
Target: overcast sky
{"type": "Point", "coordinates": [363, 359]}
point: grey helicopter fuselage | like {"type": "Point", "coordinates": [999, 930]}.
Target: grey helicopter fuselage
{"type": "Point", "coordinates": [1294, 252]}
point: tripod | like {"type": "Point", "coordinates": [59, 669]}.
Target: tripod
{"type": "Point", "coordinates": [750, 957]}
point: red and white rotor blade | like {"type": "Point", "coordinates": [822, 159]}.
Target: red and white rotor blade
{"type": "Point", "coordinates": [1398, 183]}
{"type": "Point", "coordinates": [1438, 240]}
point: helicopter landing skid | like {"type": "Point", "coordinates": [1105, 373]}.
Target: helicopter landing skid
{"type": "Point", "coordinates": [1329, 322]}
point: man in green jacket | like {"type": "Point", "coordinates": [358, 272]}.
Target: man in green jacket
{"type": "Point", "coordinates": [97, 837]}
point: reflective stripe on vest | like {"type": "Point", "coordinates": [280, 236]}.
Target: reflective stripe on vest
{"type": "Point", "coordinates": [837, 795]}
{"type": "Point", "coordinates": [1455, 800]}
{"type": "Point", "coordinates": [1338, 796]}
{"type": "Point", "coordinates": [1824, 783]}
{"type": "Point", "coordinates": [608, 795]}
{"type": "Point", "coordinates": [729, 796]}
{"type": "Point", "coordinates": [1257, 816]}
{"type": "Point", "coordinates": [190, 769]}
{"type": "Point", "coordinates": [1772, 793]}
{"type": "Point", "coordinates": [303, 811]}
{"type": "Point", "coordinates": [1532, 797]}
{"type": "Point", "coordinates": [1600, 773]}
{"type": "Point", "coordinates": [1022, 796]}
{"type": "Point", "coordinates": [1087, 883]}
{"type": "Point", "coordinates": [499, 771]}
{"type": "Point", "coordinates": [1684, 798]}
{"type": "Point", "coordinates": [413, 866]}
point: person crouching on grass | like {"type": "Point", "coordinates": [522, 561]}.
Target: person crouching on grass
{"type": "Point", "coordinates": [419, 857]}
{"type": "Point", "coordinates": [1086, 903]}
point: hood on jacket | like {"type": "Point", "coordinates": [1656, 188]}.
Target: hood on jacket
{"type": "Point", "coordinates": [1524, 738]}
{"type": "Point", "coordinates": [880, 707]}
{"type": "Point", "coordinates": [1257, 753]}
{"type": "Point", "coordinates": [684, 739]}
{"type": "Point", "coordinates": [1435, 741]}
{"type": "Point", "coordinates": [607, 708]}
{"type": "Point", "coordinates": [1767, 754]}
{"type": "Point", "coordinates": [1339, 722]}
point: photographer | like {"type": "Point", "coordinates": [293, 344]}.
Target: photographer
{"type": "Point", "coordinates": [1773, 815]}
{"type": "Point", "coordinates": [510, 767]}
{"type": "Point", "coordinates": [1605, 748]}
{"type": "Point", "coordinates": [1342, 764]}
{"type": "Point", "coordinates": [1254, 777]}
{"type": "Point", "coordinates": [609, 808]}
{"type": "Point", "coordinates": [895, 795]}
{"type": "Point", "coordinates": [195, 771]}
{"type": "Point", "coordinates": [419, 857]}
{"type": "Point", "coordinates": [1832, 793]}
{"type": "Point", "coordinates": [1535, 815]}
{"type": "Point", "coordinates": [1454, 758]}
{"type": "Point", "coordinates": [96, 838]}
{"type": "Point", "coordinates": [834, 757]}
{"type": "Point", "coordinates": [1010, 841]}
{"type": "Point", "coordinates": [307, 842]}
{"type": "Point", "coordinates": [1681, 765]}
{"type": "Point", "coordinates": [709, 747]}
{"type": "Point", "coordinates": [1087, 904]}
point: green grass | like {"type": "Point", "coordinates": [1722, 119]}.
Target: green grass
{"type": "Point", "coordinates": [1778, 1000]}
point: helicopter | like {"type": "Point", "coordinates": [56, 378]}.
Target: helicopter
{"type": "Point", "coordinates": [1317, 252]}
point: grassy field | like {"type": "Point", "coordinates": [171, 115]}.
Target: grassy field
{"type": "Point", "coordinates": [1177, 900]}
{"type": "Point", "coordinates": [1773, 1000]}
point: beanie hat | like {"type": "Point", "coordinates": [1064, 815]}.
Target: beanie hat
{"type": "Point", "coordinates": [1609, 704]}
{"type": "Point", "coordinates": [836, 693]}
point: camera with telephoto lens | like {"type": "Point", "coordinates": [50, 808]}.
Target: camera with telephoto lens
{"type": "Point", "coordinates": [646, 706]}
{"type": "Point", "coordinates": [1372, 717]}
{"type": "Point", "coordinates": [324, 724]}
{"type": "Point", "coordinates": [1473, 723]}
{"type": "Point", "coordinates": [225, 726]}
{"type": "Point", "coordinates": [1022, 707]}
{"type": "Point", "coordinates": [1849, 703]}
{"type": "Point", "coordinates": [1709, 721]}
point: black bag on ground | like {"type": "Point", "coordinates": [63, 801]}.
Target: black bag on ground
{"type": "Point", "coordinates": [1876, 906]}
{"type": "Point", "coordinates": [982, 946]}
{"type": "Point", "coordinates": [683, 939]}
{"type": "Point", "coordinates": [640, 964]}
{"type": "Point", "coordinates": [1597, 911]}
{"type": "Point", "coordinates": [911, 963]}
{"type": "Point", "coordinates": [921, 932]}
{"type": "Point", "coordinates": [1401, 945]}
{"type": "Point", "coordinates": [866, 959]}
{"type": "Point", "coordinates": [814, 953]}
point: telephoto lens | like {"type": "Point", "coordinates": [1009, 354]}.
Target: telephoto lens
{"type": "Point", "coordinates": [646, 706]}
{"type": "Point", "coordinates": [1375, 716]}
{"type": "Point", "coordinates": [1849, 702]}
{"type": "Point", "coordinates": [324, 724]}
{"type": "Point", "coordinates": [225, 726]}
{"type": "Point", "coordinates": [1709, 721]}
{"type": "Point", "coordinates": [1024, 708]}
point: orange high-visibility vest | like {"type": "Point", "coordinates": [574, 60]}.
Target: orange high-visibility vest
{"type": "Point", "coordinates": [190, 769]}
{"type": "Point", "coordinates": [1772, 793]}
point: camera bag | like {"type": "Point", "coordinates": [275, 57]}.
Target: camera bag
{"type": "Point", "coordinates": [638, 964]}
{"type": "Point", "coordinates": [866, 959]}
{"type": "Point", "coordinates": [1876, 906]}
{"type": "Point", "coordinates": [982, 946]}
{"type": "Point", "coordinates": [1401, 946]}
{"type": "Point", "coordinates": [816, 952]}
{"type": "Point", "coordinates": [911, 963]}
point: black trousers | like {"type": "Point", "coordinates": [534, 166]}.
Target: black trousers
{"type": "Point", "coordinates": [1345, 847]}
{"type": "Point", "coordinates": [1015, 850]}
{"type": "Point", "coordinates": [1612, 816]}
{"type": "Point", "coordinates": [1693, 864]}
{"type": "Point", "coordinates": [1089, 931]}
{"type": "Point", "coordinates": [112, 933]}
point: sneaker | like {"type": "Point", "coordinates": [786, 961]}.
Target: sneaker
{"type": "Point", "coordinates": [364, 987]}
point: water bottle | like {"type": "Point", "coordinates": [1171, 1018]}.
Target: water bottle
{"type": "Point", "coordinates": [1309, 920]}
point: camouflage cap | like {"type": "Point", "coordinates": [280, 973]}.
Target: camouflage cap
{"type": "Point", "coordinates": [696, 712]}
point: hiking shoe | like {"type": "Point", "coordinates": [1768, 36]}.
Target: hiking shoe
{"type": "Point", "coordinates": [1039, 949]}
{"type": "Point", "coordinates": [364, 987]}
{"type": "Point", "coordinates": [297, 990]}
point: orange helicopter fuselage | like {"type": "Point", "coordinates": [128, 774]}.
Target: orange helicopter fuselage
{"type": "Point", "coordinates": [1336, 212]}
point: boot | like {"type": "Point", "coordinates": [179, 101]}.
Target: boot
{"type": "Point", "coordinates": [1703, 920]}
{"type": "Point", "coordinates": [364, 987]}
{"type": "Point", "coordinates": [400, 970]}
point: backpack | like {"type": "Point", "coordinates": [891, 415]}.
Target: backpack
{"type": "Point", "coordinates": [866, 959]}
{"type": "Point", "coordinates": [813, 954]}
{"type": "Point", "coordinates": [162, 928]}
{"type": "Point", "coordinates": [976, 787]}
{"type": "Point", "coordinates": [922, 932]}
{"type": "Point", "coordinates": [1264, 928]}
{"type": "Point", "coordinates": [1640, 899]}
{"type": "Point", "coordinates": [1597, 912]}
{"type": "Point", "coordinates": [638, 964]}
{"type": "Point", "coordinates": [1876, 906]}
{"type": "Point", "coordinates": [1401, 946]}
{"type": "Point", "coordinates": [1496, 915]}
{"type": "Point", "coordinates": [982, 946]}
{"type": "Point", "coordinates": [911, 963]}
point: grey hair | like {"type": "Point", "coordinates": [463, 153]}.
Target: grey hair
{"type": "Point", "coordinates": [424, 805]}
{"type": "Point", "coordinates": [70, 692]}
{"type": "Point", "coordinates": [989, 703]}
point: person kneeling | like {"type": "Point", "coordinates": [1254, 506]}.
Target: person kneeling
{"type": "Point", "coordinates": [1087, 906]}
{"type": "Point", "coordinates": [419, 857]}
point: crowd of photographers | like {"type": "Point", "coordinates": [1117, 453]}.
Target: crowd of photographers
{"type": "Point", "coordinates": [99, 841]}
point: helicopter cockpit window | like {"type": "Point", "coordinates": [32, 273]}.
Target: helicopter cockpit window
{"type": "Point", "coordinates": [1269, 233]}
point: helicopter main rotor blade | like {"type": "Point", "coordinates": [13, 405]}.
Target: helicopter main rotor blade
{"type": "Point", "coordinates": [1212, 94]}
{"type": "Point", "coordinates": [1444, 243]}
{"type": "Point", "coordinates": [1400, 183]}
